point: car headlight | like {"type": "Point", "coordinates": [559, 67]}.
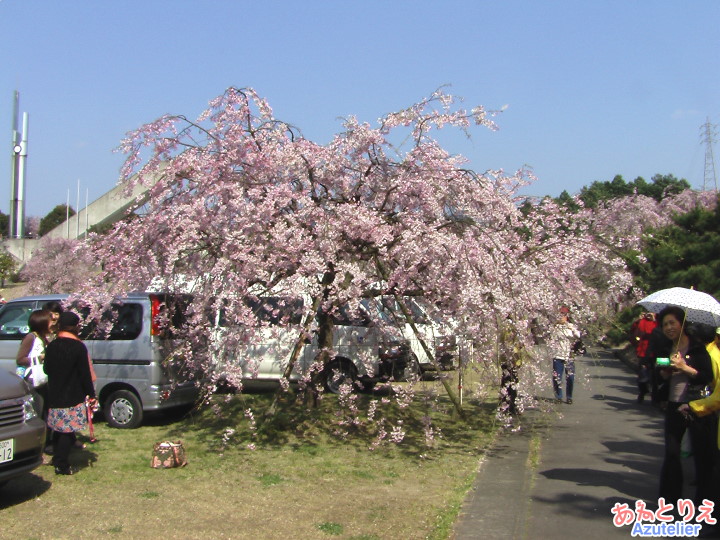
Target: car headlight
{"type": "Point", "coordinates": [29, 407]}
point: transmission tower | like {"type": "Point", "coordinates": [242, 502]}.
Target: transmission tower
{"type": "Point", "coordinates": [708, 134]}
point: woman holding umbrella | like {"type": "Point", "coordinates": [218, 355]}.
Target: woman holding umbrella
{"type": "Point", "coordinates": [690, 370]}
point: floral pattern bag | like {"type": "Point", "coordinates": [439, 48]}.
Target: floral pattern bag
{"type": "Point", "coordinates": [168, 454]}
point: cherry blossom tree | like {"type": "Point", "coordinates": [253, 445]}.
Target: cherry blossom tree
{"type": "Point", "coordinates": [241, 205]}
{"type": "Point", "coordinates": [59, 265]}
{"type": "Point", "coordinates": [623, 221]}
{"type": "Point", "coordinates": [32, 226]}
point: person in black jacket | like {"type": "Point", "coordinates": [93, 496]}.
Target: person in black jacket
{"type": "Point", "coordinates": [689, 372]}
{"type": "Point", "coordinates": [69, 384]}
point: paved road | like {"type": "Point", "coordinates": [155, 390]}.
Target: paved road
{"type": "Point", "coordinates": [560, 476]}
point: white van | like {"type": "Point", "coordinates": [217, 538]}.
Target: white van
{"type": "Point", "coordinates": [363, 352]}
{"type": "Point", "coordinates": [437, 335]}
{"type": "Point", "coordinates": [128, 359]}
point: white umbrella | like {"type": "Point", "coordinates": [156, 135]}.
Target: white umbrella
{"type": "Point", "coordinates": [699, 307]}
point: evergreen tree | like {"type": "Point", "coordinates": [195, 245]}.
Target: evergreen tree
{"type": "Point", "coordinates": [55, 217]}
{"type": "Point", "coordinates": [8, 264]}
{"type": "Point", "coordinates": [566, 200]}
{"type": "Point", "coordinates": [662, 186]}
{"type": "Point", "coordinates": [685, 254]}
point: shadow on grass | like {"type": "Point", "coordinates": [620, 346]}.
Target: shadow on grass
{"type": "Point", "coordinates": [303, 426]}
{"type": "Point", "coordinates": [83, 459]}
{"type": "Point", "coordinates": [22, 489]}
{"type": "Point", "coordinates": [29, 486]}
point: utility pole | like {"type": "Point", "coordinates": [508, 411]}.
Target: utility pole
{"type": "Point", "coordinates": [14, 159]}
{"type": "Point", "coordinates": [708, 134]}
{"type": "Point", "coordinates": [18, 162]}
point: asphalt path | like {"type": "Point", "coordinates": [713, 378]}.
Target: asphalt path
{"type": "Point", "coordinates": [563, 472]}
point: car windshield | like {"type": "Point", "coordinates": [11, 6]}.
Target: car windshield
{"type": "Point", "coordinates": [14, 319]}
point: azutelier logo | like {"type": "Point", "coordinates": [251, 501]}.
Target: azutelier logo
{"type": "Point", "coordinates": [662, 523]}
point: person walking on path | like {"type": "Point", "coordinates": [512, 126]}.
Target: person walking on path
{"type": "Point", "coordinates": [642, 331]}
{"type": "Point", "coordinates": [562, 338]}
{"type": "Point", "coordinates": [69, 384]}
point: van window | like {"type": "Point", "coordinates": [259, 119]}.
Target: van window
{"type": "Point", "coordinates": [344, 316]}
{"type": "Point", "coordinates": [391, 309]}
{"type": "Point", "coordinates": [277, 310]}
{"type": "Point", "coordinates": [272, 310]}
{"type": "Point", "coordinates": [14, 320]}
{"type": "Point", "coordinates": [120, 322]}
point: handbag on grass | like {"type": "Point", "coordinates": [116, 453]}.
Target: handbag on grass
{"type": "Point", "coordinates": [168, 454]}
{"type": "Point", "coordinates": [35, 374]}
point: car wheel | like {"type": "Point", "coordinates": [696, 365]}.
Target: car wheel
{"type": "Point", "coordinates": [123, 410]}
{"type": "Point", "coordinates": [337, 373]}
{"type": "Point", "coordinates": [446, 362]}
{"type": "Point", "coordinates": [410, 371]}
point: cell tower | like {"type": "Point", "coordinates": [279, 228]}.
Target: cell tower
{"type": "Point", "coordinates": [708, 134]}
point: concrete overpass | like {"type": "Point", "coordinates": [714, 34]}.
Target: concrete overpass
{"type": "Point", "coordinates": [109, 208]}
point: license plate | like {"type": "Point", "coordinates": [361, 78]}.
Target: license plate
{"type": "Point", "coordinates": [6, 450]}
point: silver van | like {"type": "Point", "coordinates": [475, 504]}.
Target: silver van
{"type": "Point", "coordinates": [128, 356]}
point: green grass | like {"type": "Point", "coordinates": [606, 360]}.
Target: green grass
{"type": "Point", "coordinates": [534, 452]}
{"type": "Point", "coordinates": [447, 516]}
{"type": "Point", "coordinates": [269, 479]}
{"type": "Point", "coordinates": [334, 529]}
{"type": "Point", "coordinates": [304, 479]}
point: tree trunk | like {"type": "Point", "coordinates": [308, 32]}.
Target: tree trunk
{"type": "Point", "coordinates": [409, 318]}
{"type": "Point", "coordinates": [511, 359]}
{"type": "Point", "coordinates": [328, 278]}
{"type": "Point", "coordinates": [446, 384]}
{"type": "Point", "coordinates": [325, 344]}
{"type": "Point", "coordinates": [508, 386]}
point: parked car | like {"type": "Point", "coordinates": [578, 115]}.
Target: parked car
{"type": "Point", "coordinates": [22, 431]}
{"type": "Point", "coordinates": [437, 335]}
{"type": "Point", "coordinates": [362, 352]}
{"type": "Point", "coordinates": [128, 355]}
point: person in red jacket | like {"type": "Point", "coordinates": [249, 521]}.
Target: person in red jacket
{"type": "Point", "coordinates": [641, 331]}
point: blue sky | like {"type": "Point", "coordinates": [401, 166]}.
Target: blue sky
{"type": "Point", "coordinates": [593, 89]}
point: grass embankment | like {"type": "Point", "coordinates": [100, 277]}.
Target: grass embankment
{"type": "Point", "coordinates": [303, 480]}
